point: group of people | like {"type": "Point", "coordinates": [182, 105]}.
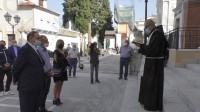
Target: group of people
{"type": "Point", "coordinates": [30, 68]}
{"type": "Point", "coordinates": [7, 58]}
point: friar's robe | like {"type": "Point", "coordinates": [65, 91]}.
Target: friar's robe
{"type": "Point", "coordinates": [152, 81]}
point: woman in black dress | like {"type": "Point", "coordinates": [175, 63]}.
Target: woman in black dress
{"type": "Point", "coordinates": [59, 62]}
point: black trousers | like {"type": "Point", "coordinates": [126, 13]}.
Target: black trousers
{"type": "Point", "coordinates": [45, 92]}
{"type": "Point", "coordinates": [29, 101]}
{"type": "Point", "coordinates": [94, 66]}
{"type": "Point", "coordinates": [8, 81]}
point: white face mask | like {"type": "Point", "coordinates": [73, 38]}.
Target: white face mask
{"type": "Point", "coordinates": [125, 44]}
{"type": "Point", "coordinates": [46, 44]}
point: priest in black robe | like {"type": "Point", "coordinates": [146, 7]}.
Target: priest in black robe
{"type": "Point", "coordinates": [152, 81]}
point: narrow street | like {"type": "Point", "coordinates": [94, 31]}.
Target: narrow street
{"type": "Point", "coordinates": [78, 95]}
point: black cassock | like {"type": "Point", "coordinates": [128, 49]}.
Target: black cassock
{"type": "Point", "coordinates": [151, 87]}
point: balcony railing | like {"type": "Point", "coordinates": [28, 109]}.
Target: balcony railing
{"type": "Point", "coordinates": [184, 38]}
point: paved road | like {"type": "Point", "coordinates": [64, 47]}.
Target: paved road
{"type": "Point", "coordinates": [79, 95]}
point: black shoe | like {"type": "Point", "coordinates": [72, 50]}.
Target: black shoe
{"type": "Point", "coordinates": [120, 78]}
{"type": "Point", "coordinates": [97, 81]}
{"type": "Point", "coordinates": [47, 110]}
{"type": "Point", "coordinates": [55, 102]}
{"type": "Point", "coordinates": [59, 101]}
{"type": "Point", "coordinates": [44, 110]}
{"type": "Point", "coordinates": [92, 82]}
{"type": "Point", "coordinates": [125, 78]}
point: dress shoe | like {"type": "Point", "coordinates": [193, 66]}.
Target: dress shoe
{"type": "Point", "coordinates": [97, 81]}
{"type": "Point", "coordinates": [55, 102]}
{"type": "Point", "coordinates": [59, 101]}
{"type": "Point", "coordinates": [120, 78]}
{"type": "Point", "coordinates": [44, 110]}
{"type": "Point", "coordinates": [125, 78]}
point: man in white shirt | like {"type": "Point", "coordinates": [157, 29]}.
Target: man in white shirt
{"type": "Point", "coordinates": [74, 57]}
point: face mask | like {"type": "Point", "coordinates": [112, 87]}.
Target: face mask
{"type": "Point", "coordinates": [125, 44]}
{"type": "Point", "coordinates": [1, 46]}
{"type": "Point", "coordinates": [37, 43]}
{"type": "Point", "coordinates": [60, 46]}
{"type": "Point", "coordinates": [147, 31]}
{"type": "Point", "coordinates": [15, 44]}
{"type": "Point", "coordinates": [46, 44]}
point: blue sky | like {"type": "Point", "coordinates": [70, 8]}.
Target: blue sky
{"type": "Point", "coordinates": [56, 6]}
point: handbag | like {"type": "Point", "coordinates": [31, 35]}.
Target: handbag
{"type": "Point", "coordinates": [57, 72]}
{"type": "Point", "coordinates": [64, 75]}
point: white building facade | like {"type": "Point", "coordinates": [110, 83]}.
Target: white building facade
{"type": "Point", "coordinates": [165, 14]}
{"type": "Point", "coordinates": [34, 16]}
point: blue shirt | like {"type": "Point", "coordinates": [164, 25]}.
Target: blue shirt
{"type": "Point", "coordinates": [15, 50]}
{"type": "Point", "coordinates": [126, 52]}
{"type": "Point", "coordinates": [45, 56]}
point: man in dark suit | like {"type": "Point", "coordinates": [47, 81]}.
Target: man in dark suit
{"type": "Point", "coordinates": [14, 49]}
{"type": "Point", "coordinates": [28, 73]}
{"type": "Point", "coordinates": [6, 60]}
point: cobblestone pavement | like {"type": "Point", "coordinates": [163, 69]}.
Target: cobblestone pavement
{"type": "Point", "coordinates": [78, 95]}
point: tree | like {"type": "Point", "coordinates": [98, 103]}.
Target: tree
{"type": "Point", "coordinates": [82, 12]}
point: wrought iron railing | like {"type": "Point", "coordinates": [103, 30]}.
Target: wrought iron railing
{"type": "Point", "coordinates": [184, 38]}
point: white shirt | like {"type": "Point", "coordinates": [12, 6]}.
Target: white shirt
{"type": "Point", "coordinates": [73, 53]}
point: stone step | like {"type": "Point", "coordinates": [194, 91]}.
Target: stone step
{"type": "Point", "coordinates": [189, 94]}
{"type": "Point", "coordinates": [191, 76]}
{"type": "Point", "coordinates": [172, 102]}
{"type": "Point", "coordinates": [194, 67]}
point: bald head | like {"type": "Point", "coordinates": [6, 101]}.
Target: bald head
{"type": "Point", "coordinates": [44, 41]}
{"type": "Point", "coordinates": [126, 43]}
{"type": "Point", "coordinates": [149, 23]}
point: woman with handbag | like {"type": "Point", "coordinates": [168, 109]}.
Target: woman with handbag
{"type": "Point", "coordinates": [59, 64]}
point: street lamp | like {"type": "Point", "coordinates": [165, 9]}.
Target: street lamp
{"type": "Point", "coordinates": [8, 18]}
{"type": "Point", "coordinates": [145, 37]}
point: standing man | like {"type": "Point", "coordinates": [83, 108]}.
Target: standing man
{"type": "Point", "coordinates": [125, 54]}
{"type": "Point", "coordinates": [47, 71]}
{"type": "Point", "coordinates": [117, 49]}
{"type": "Point", "coordinates": [6, 60]}
{"type": "Point", "coordinates": [67, 49]}
{"type": "Point", "coordinates": [14, 48]}
{"type": "Point", "coordinates": [29, 74]}
{"type": "Point", "coordinates": [94, 53]}
{"type": "Point", "coordinates": [74, 58]}
{"type": "Point", "coordinates": [152, 81]}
